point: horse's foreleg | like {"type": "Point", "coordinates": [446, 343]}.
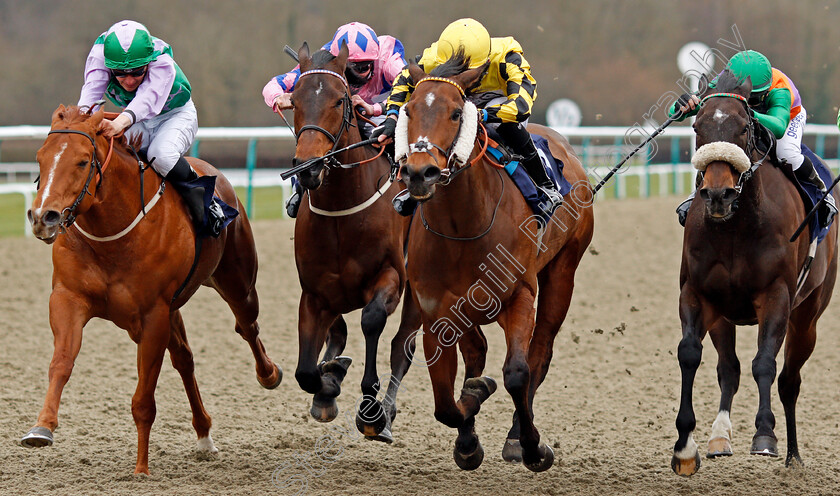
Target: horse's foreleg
{"type": "Point", "coordinates": [154, 338]}
{"type": "Point", "coordinates": [686, 459]}
{"type": "Point", "coordinates": [68, 315]}
{"type": "Point", "coordinates": [517, 320]}
{"type": "Point", "coordinates": [773, 312]}
{"type": "Point", "coordinates": [402, 353]}
{"type": "Point", "coordinates": [182, 360]}
{"type": "Point", "coordinates": [722, 333]}
{"type": "Point", "coordinates": [323, 381]}
{"type": "Point", "coordinates": [371, 418]}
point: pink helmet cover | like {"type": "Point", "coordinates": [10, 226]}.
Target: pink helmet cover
{"type": "Point", "coordinates": [361, 40]}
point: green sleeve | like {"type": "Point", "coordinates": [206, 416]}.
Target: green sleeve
{"type": "Point", "coordinates": [673, 110]}
{"type": "Point", "coordinates": [777, 117]}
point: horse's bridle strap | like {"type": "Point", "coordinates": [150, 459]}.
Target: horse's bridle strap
{"type": "Point", "coordinates": [442, 80]}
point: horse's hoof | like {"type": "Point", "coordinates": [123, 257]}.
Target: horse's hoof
{"type": "Point", "coordinates": [323, 409]}
{"type": "Point", "coordinates": [37, 437]}
{"type": "Point", "coordinates": [469, 461]}
{"type": "Point", "coordinates": [481, 387]}
{"type": "Point", "coordinates": [793, 460]}
{"type": "Point", "coordinates": [512, 451]}
{"type": "Point", "coordinates": [719, 446]}
{"type": "Point", "coordinates": [371, 418]}
{"type": "Point", "coordinates": [765, 446]}
{"type": "Point", "coordinates": [385, 436]}
{"type": "Point", "coordinates": [686, 467]}
{"type": "Point", "coordinates": [337, 366]}
{"type": "Point", "coordinates": [547, 459]}
{"type": "Point", "coordinates": [273, 380]}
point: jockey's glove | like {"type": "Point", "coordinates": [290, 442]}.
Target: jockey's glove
{"type": "Point", "coordinates": [387, 128]}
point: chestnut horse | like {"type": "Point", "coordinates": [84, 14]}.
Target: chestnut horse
{"type": "Point", "coordinates": [113, 262]}
{"type": "Point", "coordinates": [479, 257]}
{"type": "Point", "coordinates": [349, 246]}
{"type": "Point", "coordinates": [739, 268]}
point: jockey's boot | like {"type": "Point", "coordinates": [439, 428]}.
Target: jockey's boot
{"type": "Point", "coordinates": [293, 203]}
{"type": "Point", "coordinates": [404, 204]}
{"type": "Point", "coordinates": [181, 173]}
{"type": "Point", "coordinates": [682, 208]}
{"type": "Point", "coordinates": [534, 167]}
{"type": "Point", "coordinates": [808, 174]}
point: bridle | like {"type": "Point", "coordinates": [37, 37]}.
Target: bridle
{"type": "Point", "coordinates": [753, 129]}
{"type": "Point", "coordinates": [454, 165]}
{"type": "Point", "coordinates": [346, 117]}
{"type": "Point", "coordinates": [95, 167]}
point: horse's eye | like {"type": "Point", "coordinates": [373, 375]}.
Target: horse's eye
{"type": "Point", "coordinates": [456, 114]}
{"type": "Point", "coordinates": [340, 101]}
{"type": "Point", "coordinates": [82, 163]}
{"type": "Point", "coordinates": [746, 130]}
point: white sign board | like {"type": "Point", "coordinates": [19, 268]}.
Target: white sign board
{"type": "Point", "coordinates": [563, 113]}
{"type": "Point", "coordinates": [700, 61]}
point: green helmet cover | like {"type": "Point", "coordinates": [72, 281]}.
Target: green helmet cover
{"type": "Point", "coordinates": [140, 52]}
{"type": "Point", "coordinates": [755, 65]}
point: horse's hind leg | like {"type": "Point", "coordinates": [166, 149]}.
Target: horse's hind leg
{"type": "Point", "coordinates": [473, 346]}
{"type": "Point", "coordinates": [182, 360]}
{"type": "Point", "coordinates": [729, 374]}
{"type": "Point", "coordinates": [801, 338]}
{"type": "Point", "coordinates": [67, 318]}
{"type": "Point", "coordinates": [383, 297]}
{"type": "Point", "coordinates": [556, 283]}
{"type": "Point", "coordinates": [235, 280]}
{"type": "Point", "coordinates": [151, 347]}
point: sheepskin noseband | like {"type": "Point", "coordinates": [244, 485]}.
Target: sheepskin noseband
{"type": "Point", "coordinates": [721, 151]}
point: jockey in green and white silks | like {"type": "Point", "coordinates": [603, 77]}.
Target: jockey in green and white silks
{"type": "Point", "coordinates": [160, 108]}
{"type": "Point", "coordinates": [777, 105]}
{"type": "Point", "coordinates": [137, 73]}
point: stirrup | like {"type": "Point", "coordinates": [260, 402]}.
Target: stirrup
{"type": "Point", "coordinates": [682, 210]}
{"type": "Point", "coordinates": [404, 204]}
{"type": "Point", "coordinates": [217, 219]}
{"type": "Point", "coordinates": [293, 204]}
{"type": "Point", "coordinates": [555, 199]}
{"type": "Point", "coordinates": [829, 210]}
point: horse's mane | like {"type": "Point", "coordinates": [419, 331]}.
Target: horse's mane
{"type": "Point", "coordinates": [456, 64]}
{"type": "Point", "coordinates": [726, 82]}
{"type": "Point", "coordinates": [75, 115]}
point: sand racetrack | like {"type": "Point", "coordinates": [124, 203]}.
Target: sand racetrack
{"type": "Point", "coordinates": [607, 407]}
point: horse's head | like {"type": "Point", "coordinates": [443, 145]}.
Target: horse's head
{"type": "Point", "coordinates": [725, 138]}
{"type": "Point", "coordinates": [67, 162]}
{"type": "Point", "coordinates": [323, 111]}
{"type": "Point", "coordinates": [437, 126]}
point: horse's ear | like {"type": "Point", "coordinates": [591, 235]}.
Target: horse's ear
{"type": "Point", "coordinates": [303, 55]}
{"type": "Point", "coordinates": [472, 77]}
{"type": "Point", "coordinates": [745, 89]}
{"type": "Point", "coordinates": [58, 115]}
{"type": "Point", "coordinates": [415, 72]}
{"type": "Point", "coordinates": [343, 53]}
{"type": "Point", "coordinates": [96, 119]}
{"type": "Point", "coordinates": [703, 85]}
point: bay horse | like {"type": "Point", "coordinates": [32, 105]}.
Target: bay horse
{"type": "Point", "coordinates": [349, 245]}
{"type": "Point", "coordinates": [123, 247]}
{"type": "Point", "coordinates": [480, 256]}
{"type": "Point", "coordinates": [739, 268]}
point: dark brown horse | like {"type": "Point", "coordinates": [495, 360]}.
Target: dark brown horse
{"type": "Point", "coordinates": [478, 257]}
{"type": "Point", "coordinates": [738, 268]}
{"type": "Point", "coordinates": [116, 264]}
{"type": "Point", "coordinates": [349, 246]}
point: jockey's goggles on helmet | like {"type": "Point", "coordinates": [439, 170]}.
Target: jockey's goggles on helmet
{"type": "Point", "coordinates": [757, 98]}
{"type": "Point", "coordinates": [361, 67]}
{"type": "Point", "coordinates": [136, 72]}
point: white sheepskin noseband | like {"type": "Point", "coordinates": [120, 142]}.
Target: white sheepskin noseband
{"type": "Point", "coordinates": [463, 147]}
{"type": "Point", "coordinates": [721, 151]}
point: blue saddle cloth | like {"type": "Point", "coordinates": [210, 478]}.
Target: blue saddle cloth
{"type": "Point", "coordinates": [553, 166]}
{"type": "Point", "coordinates": [813, 194]}
{"type": "Point", "coordinates": [209, 185]}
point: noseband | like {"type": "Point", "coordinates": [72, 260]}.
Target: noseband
{"type": "Point", "coordinates": [347, 110]}
{"type": "Point", "coordinates": [752, 130]}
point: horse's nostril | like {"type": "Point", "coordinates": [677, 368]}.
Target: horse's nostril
{"type": "Point", "coordinates": [51, 218]}
{"type": "Point", "coordinates": [431, 173]}
{"type": "Point", "coordinates": [29, 216]}
{"type": "Point", "coordinates": [704, 194]}
{"type": "Point", "coordinates": [294, 161]}
{"type": "Point", "coordinates": [404, 172]}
